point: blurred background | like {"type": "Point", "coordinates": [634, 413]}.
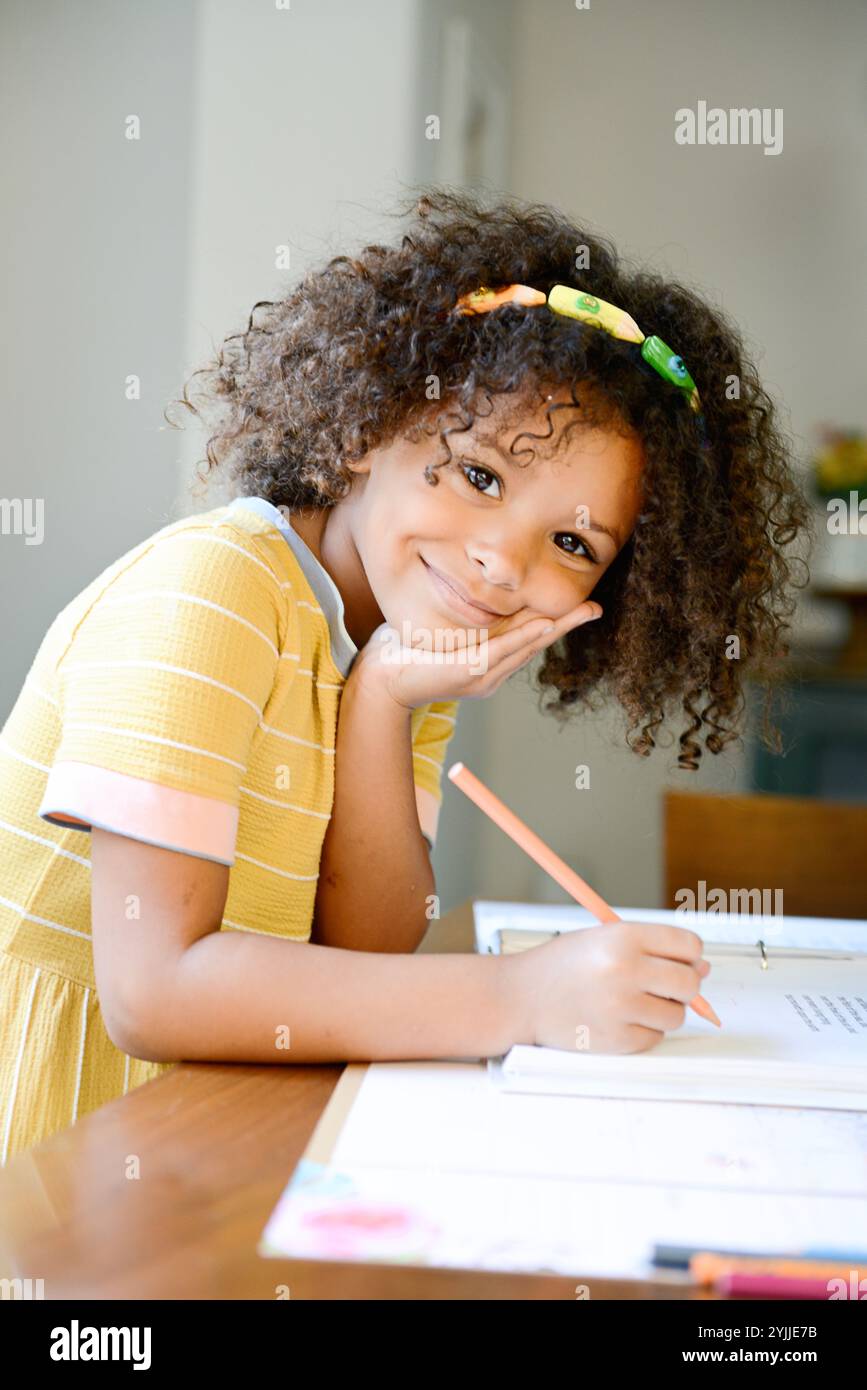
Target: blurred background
{"type": "Point", "coordinates": [271, 131]}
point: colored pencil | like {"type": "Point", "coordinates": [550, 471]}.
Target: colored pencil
{"type": "Point", "coordinates": [771, 1286]}
{"type": "Point", "coordinates": [545, 857]}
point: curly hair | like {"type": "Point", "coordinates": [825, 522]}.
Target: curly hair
{"type": "Point", "coordinates": [345, 363]}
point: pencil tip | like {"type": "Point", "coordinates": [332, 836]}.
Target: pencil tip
{"type": "Point", "coordinates": [704, 1010]}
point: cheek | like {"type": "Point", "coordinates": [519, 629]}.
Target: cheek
{"type": "Point", "coordinates": [425, 514]}
{"type": "Point", "coordinates": [561, 591]}
{"type": "Point", "coordinates": [398, 531]}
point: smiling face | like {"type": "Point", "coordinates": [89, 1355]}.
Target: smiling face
{"type": "Point", "coordinates": [499, 532]}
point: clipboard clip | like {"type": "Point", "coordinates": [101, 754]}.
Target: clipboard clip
{"type": "Point", "coordinates": [768, 954]}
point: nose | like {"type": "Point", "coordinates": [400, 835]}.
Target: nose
{"type": "Point", "coordinates": [503, 564]}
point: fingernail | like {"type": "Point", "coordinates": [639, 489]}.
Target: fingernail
{"type": "Point", "coordinates": [549, 628]}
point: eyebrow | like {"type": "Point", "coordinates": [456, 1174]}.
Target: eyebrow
{"type": "Point", "coordinates": [489, 442]}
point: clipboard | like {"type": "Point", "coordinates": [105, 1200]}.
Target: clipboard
{"type": "Point", "coordinates": [509, 940]}
{"type": "Point", "coordinates": [764, 936]}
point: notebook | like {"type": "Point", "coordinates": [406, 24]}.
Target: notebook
{"type": "Point", "coordinates": [426, 1163]}
{"type": "Point", "coordinates": [791, 994]}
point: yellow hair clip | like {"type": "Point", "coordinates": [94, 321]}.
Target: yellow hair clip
{"type": "Point", "coordinates": [598, 313]}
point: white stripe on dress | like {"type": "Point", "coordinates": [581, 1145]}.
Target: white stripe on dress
{"type": "Point", "coordinates": [19, 757]}
{"type": "Point", "coordinates": [43, 921]}
{"type": "Point", "coordinates": [284, 873]}
{"type": "Point", "coordinates": [41, 840]}
{"type": "Point", "coordinates": [286, 805]}
{"type": "Point", "coordinates": [204, 535]}
{"type": "Point", "coordinates": [237, 926]}
{"type": "Point", "coordinates": [37, 690]}
{"type": "Point", "coordinates": [425, 759]}
{"type": "Point", "coordinates": [164, 666]}
{"type": "Point", "coordinates": [120, 599]}
{"type": "Point", "coordinates": [257, 931]}
{"type": "Point", "coordinates": [293, 738]}
{"type": "Point", "coordinates": [149, 738]}
{"type": "Point", "coordinates": [14, 1092]}
{"type": "Point", "coordinates": [80, 1056]}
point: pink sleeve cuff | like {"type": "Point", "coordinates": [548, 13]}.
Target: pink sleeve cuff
{"type": "Point", "coordinates": [79, 796]}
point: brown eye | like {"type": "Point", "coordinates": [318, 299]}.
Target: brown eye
{"type": "Point", "coordinates": [576, 541]}
{"type": "Point", "coordinates": [473, 470]}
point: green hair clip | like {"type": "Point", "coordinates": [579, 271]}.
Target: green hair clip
{"type": "Point", "coordinates": [576, 304]}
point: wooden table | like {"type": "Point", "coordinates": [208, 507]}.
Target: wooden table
{"type": "Point", "coordinates": [216, 1145]}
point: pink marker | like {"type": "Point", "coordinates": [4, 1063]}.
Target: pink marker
{"type": "Point", "coordinates": [771, 1286]}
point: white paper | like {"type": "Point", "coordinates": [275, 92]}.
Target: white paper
{"type": "Point", "coordinates": [434, 1166]}
{"type": "Point", "coordinates": [796, 1032]}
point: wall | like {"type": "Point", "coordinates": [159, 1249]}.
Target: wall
{"type": "Point", "coordinates": [778, 240]}
{"type": "Point", "coordinates": [93, 283]}
{"type": "Point", "coordinates": [263, 127]}
{"type": "Point", "coordinates": [353, 144]}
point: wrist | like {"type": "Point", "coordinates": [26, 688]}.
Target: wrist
{"type": "Point", "coordinates": [368, 682]}
{"type": "Point", "coordinates": [519, 999]}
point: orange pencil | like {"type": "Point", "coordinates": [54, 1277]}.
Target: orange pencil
{"type": "Point", "coordinates": [706, 1268]}
{"type": "Point", "coordinates": [545, 857]}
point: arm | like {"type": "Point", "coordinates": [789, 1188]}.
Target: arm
{"type": "Point", "coordinates": [172, 986]}
{"type": "Point", "coordinates": [375, 873]}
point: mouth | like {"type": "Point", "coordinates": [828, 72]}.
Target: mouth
{"type": "Point", "coordinates": [457, 598]}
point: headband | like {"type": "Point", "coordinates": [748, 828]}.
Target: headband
{"type": "Point", "coordinates": [596, 312]}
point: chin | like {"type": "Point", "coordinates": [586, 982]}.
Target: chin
{"type": "Point", "coordinates": [435, 622]}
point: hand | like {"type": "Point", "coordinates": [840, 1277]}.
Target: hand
{"type": "Point", "coordinates": [473, 663]}
{"type": "Point", "coordinates": [618, 987]}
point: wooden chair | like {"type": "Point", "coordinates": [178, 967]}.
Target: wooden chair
{"type": "Point", "coordinates": [815, 851]}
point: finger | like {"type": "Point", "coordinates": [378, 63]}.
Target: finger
{"type": "Point", "coordinates": [650, 1011]}
{"type": "Point", "coordinates": [541, 641]}
{"type": "Point", "coordinates": [642, 1039]}
{"type": "Point", "coordinates": [669, 979]}
{"type": "Point", "coordinates": [588, 611]}
{"type": "Point", "coordinates": [577, 617]}
{"type": "Point", "coordinates": [515, 639]}
{"type": "Point", "coordinates": [671, 943]}
{"type": "Point", "coordinates": [538, 633]}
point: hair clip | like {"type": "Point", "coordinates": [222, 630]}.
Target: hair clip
{"type": "Point", "coordinates": [483, 299]}
{"type": "Point", "coordinates": [577, 304]}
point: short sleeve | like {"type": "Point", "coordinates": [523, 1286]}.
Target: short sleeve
{"type": "Point", "coordinates": [432, 728]}
{"type": "Point", "coordinates": [161, 689]}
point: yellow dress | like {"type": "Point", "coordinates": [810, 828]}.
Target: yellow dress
{"type": "Point", "coordinates": [188, 697]}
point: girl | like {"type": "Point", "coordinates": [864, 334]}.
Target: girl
{"type": "Point", "coordinates": [199, 860]}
